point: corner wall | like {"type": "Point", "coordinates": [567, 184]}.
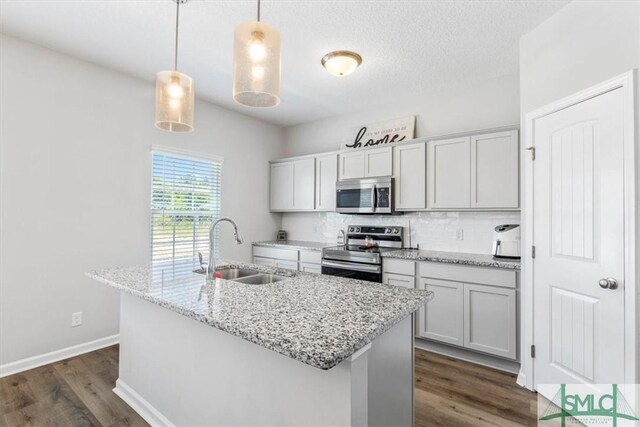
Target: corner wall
{"type": "Point", "coordinates": [75, 190]}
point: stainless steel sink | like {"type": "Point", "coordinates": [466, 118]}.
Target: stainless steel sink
{"type": "Point", "coordinates": [261, 279]}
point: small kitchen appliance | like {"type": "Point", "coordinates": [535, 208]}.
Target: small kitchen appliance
{"type": "Point", "coordinates": [360, 257]}
{"type": "Point", "coordinates": [365, 196]}
{"type": "Point", "coordinates": [506, 241]}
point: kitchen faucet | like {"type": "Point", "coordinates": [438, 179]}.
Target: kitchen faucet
{"type": "Point", "coordinates": [211, 269]}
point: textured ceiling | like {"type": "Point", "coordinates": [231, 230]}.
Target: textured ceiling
{"type": "Point", "coordinates": [409, 47]}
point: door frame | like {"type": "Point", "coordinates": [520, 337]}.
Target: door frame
{"type": "Point", "coordinates": [626, 82]}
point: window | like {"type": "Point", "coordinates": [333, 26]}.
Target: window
{"type": "Point", "coordinates": [185, 199]}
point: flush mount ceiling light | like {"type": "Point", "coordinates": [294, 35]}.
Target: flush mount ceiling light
{"type": "Point", "coordinates": [256, 64]}
{"type": "Point", "coordinates": [174, 94]}
{"type": "Point", "coordinates": [341, 62]}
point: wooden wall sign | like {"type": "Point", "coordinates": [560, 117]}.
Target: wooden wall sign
{"type": "Point", "coordinates": [380, 133]}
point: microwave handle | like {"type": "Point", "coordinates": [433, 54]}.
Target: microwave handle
{"type": "Point", "coordinates": [374, 190]}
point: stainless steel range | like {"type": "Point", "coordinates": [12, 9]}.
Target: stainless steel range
{"type": "Point", "coordinates": [360, 257]}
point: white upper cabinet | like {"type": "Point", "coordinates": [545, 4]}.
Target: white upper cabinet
{"type": "Point", "coordinates": [378, 162]}
{"type": "Point", "coordinates": [494, 170]}
{"type": "Point", "coordinates": [367, 163]}
{"type": "Point", "coordinates": [304, 178]}
{"type": "Point", "coordinates": [293, 185]}
{"type": "Point", "coordinates": [326, 177]}
{"type": "Point", "coordinates": [351, 165]}
{"type": "Point", "coordinates": [281, 186]}
{"type": "Point", "coordinates": [449, 173]}
{"type": "Point", "coordinates": [409, 171]}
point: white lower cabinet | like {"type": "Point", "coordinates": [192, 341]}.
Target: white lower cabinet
{"type": "Point", "coordinates": [442, 318]}
{"type": "Point", "coordinates": [308, 267]}
{"type": "Point", "coordinates": [490, 320]}
{"type": "Point", "coordinates": [285, 263]}
{"type": "Point", "coordinates": [399, 280]}
{"type": "Point", "coordinates": [267, 262]}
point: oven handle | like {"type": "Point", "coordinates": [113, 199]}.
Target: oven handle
{"type": "Point", "coordinates": [351, 266]}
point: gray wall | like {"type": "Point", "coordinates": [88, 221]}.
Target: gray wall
{"type": "Point", "coordinates": [75, 190]}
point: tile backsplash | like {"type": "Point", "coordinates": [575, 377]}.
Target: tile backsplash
{"type": "Point", "coordinates": [432, 230]}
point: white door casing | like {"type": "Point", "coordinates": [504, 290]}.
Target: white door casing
{"type": "Point", "coordinates": [579, 213]}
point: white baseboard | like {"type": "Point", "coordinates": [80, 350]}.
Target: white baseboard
{"type": "Point", "coordinates": [141, 406]}
{"type": "Point", "coordinates": [500, 364]}
{"type": "Point", "coordinates": [55, 356]}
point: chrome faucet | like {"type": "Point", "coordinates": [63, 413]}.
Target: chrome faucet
{"type": "Point", "coordinates": [211, 269]}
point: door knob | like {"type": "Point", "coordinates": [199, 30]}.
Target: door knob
{"type": "Point", "coordinates": [608, 283]}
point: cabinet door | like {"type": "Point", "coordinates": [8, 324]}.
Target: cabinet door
{"type": "Point", "coordinates": [449, 182]}
{"type": "Point", "coordinates": [283, 263]}
{"type": "Point", "coordinates": [399, 280]}
{"type": "Point", "coordinates": [442, 318]}
{"type": "Point", "coordinates": [308, 267]}
{"type": "Point", "coordinates": [490, 320]}
{"type": "Point", "coordinates": [281, 186]}
{"type": "Point", "coordinates": [495, 170]}
{"type": "Point", "coordinates": [409, 170]}
{"type": "Point", "coordinates": [351, 165]}
{"type": "Point", "coordinates": [267, 262]}
{"type": "Point", "coordinates": [326, 177]}
{"type": "Point", "coordinates": [304, 183]}
{"type": "Point", "coordinates": [378, 162]}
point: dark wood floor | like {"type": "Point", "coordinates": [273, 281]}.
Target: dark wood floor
{"type": "Point", "coordinates": [77, 392]}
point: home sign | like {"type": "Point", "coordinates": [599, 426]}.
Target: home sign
{"type": "Point", "coordinates": [380, 133]}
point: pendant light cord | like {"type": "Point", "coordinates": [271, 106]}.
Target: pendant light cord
{"type": "Point", "coordinates": [258, 10]}
{"type": "Point", "coordinates": [175, 62]}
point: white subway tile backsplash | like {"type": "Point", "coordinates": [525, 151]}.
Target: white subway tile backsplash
{"type": "Point", "coordinates": [432, 230]}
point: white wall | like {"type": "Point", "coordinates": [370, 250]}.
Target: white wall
{"type": "Point", "coordinates": [75, 190]}
{"type": "Point", "coordinates": [484, 105]}
{"type": "Point", "coordinates": [583, 44]}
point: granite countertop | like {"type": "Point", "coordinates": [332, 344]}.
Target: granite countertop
{"type": "Point", "coordinates": [479, 260]}
{"type": "Point", "coordinates": [295, 244]}
{"type": "Point", "coordinates": [316, 319]}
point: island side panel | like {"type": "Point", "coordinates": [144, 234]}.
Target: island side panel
{"type": "Point", "coordinates": [189, 373]}
{"type": "Point", "coordinates": [391, 367]}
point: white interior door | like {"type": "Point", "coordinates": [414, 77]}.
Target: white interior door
{"type": "Point", "coordinates": [579, 238]}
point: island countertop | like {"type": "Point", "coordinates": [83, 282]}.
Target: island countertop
{"type": "Point", "coordinates": [316, 319]}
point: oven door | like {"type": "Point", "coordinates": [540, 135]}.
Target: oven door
{"type": "Point", "coordinates": [356, 198]}
{"type": "Point", "coordinates": [371, 273]}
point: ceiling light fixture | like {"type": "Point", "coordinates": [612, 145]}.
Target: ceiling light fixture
{"type": "Point", "coordinates": [256, 64]}
{"type": "Point", "coordinates": [341, 62]}
{"type": "Point", "coordinates": [174, 94]}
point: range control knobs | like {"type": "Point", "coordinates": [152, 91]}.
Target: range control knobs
{"type": "Point", "coordinates": [357, 229]}
{"type": "Point", "coordinates": [396, 231]}
{"type": "Point", "coordinates": [387, 230]}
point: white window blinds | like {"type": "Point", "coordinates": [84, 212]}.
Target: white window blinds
{"type": "Point", "coordinates": [185, 199]}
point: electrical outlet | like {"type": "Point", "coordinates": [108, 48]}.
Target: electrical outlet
{"type": "Point", "coordinates": [460, 234]}
{"type": "Point", "coordinates": [76, 319]}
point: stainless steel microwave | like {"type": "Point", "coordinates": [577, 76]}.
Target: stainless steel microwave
{"type": "Point", "coordinates": [365, 196]}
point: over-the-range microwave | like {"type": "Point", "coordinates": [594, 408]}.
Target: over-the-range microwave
{"type": "Point", "coordinates": [365, 196]}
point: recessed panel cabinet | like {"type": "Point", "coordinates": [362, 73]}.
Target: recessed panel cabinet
{"type": "Point", "coordinates": [367, 163]}
{"type": "Point", "coordinates": [326, 177]}
{"type": "Point", "coordinates": [409, 171]}
{"type": "Point", "coordinates": [474, 172]}
{"type": "Point", "coordinates": [293, 185]}
{"type": "Point", "coordinates": [442, 318]}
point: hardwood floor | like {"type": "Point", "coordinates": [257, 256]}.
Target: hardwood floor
{"type": "Point", "coordinates": [77, 392]}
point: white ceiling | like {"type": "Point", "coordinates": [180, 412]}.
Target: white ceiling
{"type": "Point", "coordinates": [409, 47]}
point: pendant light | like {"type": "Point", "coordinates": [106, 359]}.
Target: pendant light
{"type": "Point", "coordinates": [174, 94]}
{"type": "Point", "coordinates": [256, 64]}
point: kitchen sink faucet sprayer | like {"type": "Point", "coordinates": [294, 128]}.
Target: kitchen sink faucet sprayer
{"type": "Point", "coordinates": [211, 269]}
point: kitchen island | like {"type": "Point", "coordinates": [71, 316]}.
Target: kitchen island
{"type": "Point", "coordinates": [307, 350]}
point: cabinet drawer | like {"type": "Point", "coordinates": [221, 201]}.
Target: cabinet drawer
{"type": "Point", "coordinates": [314, 257]}
{"type": "Point", "coordinates": [469, 274]}
{"type": "Point", "coordinates": [398, 266]}
{"type": "Point", "coordinates": [291, 265]}
{"type": "Point", "coordinates": [267, 262]}
{"type": "Point", "coordinates": [289, 254]}
{"type": "Point", "coordinates": [308, 267]}
{"type": "Point", "coordinates": [399, 280]}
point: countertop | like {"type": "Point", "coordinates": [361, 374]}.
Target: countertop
{"type": "Point", "coordinates": [479, 260]}
{"type": "Point", "coordinates": [318, 320]}
{"type": "Point", "coordinates": [295, 244]}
